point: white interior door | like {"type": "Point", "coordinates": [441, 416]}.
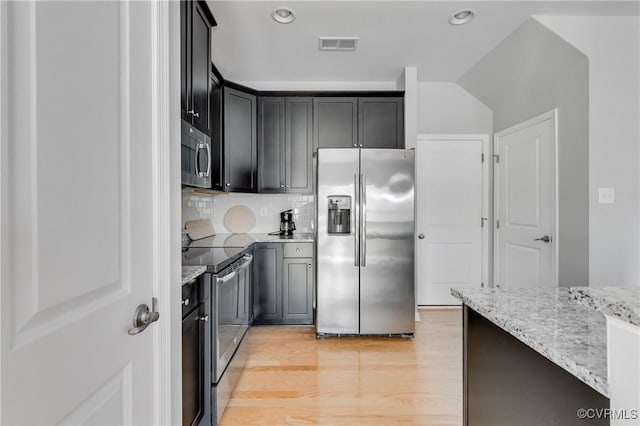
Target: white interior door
{"type": "Point", "coordinates": [525, 204]}
{"type": "Point", "coordinates": [78, 255]}
{"type": "Point", "coordinates": [451, 202]}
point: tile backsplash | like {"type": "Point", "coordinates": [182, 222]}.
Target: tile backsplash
{"type": "Point", "coordinates": [266, 207]}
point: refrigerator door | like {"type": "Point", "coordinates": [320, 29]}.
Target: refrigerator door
{"type": "Point", "coordinates": [338, 280]}
{"type": "Point", "coordinates": [387, 298]}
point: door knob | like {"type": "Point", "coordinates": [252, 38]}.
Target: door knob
{"type": "Point", "coordinates": [546, 239]}
{"type": "Point", "coordinates": [142, 317]}
{"type": "Point", "coordinates": [421, 236]}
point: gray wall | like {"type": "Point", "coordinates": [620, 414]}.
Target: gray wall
{"type": "Point", "coordinates": [531, 72]}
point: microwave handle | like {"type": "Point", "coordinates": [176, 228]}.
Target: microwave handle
{"type": "Point", "coordinates": [198, 148]}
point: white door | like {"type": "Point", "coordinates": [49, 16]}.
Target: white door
{"type": "Point", "coordinates": [525, 204]}
{"type": "Point", "coordinates": [451, 199]}
{"type": "Point", "coordinates": [79, 138]}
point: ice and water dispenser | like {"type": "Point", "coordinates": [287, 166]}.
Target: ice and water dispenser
{"type": "Point", "coordinates": [339, 217]}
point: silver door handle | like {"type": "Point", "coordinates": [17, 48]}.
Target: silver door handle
{"type": "Point", "coordinates": [142, 317]}
{"type": "Point", "coordinates": [208, 148]}
{"type": "Point", "coordinates": [421, 236]}
{"type": "Point", "coordinates": [356, 196]}
{"type": "Point", "coordinates": [545, 238]}
{"type": "Point", "coordinates": [363, 226]}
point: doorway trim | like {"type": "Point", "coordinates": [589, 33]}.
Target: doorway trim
{"type": "Point", "coordinates": [486, 190]}
{"type": "Point", "coordinates": [549, 115]}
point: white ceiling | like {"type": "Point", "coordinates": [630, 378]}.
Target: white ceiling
{"type": "Point", "coordinates": [248, 46]}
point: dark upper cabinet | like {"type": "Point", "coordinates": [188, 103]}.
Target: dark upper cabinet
{"type": "Point", "coordinates": [271, 144]}
{"type": "Point", "coordinates": [335, 122]}
{"type": "Point", "coordinates": [217, 142]}
{"type": "Point", "coordinates": [240, 144]}
{"type": "Point", "coordinates": [196, 23]}
{"type": "Point", "coordinates": [381, 122]}
{"type": "Point", "coordinates": [299, 145]}
{"type": "Point", "coordinates": [285, 144]}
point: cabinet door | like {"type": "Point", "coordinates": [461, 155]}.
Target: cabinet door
{"type": "Point", "coordinates": [185, 59]}
{"type": "Point", "coordinates": [381, 122]}
{"type": "Point", "coordinates": [217, 158]}
{"type": "Point", "coordinates": [299, 145]}
{"type": "Point", "coordinates": [239, 140]}
{"type": "Point", "coordinates": [267, 279]}
{"type": "Point", "coordinates": [335, 122]}
{"type": "Point", "coordinates": [297, 285]}
{"type": "Point", "coordinates": [271, 149]}
{"type": "Point", "coordinates": [200, 66]}
{"type": "Point", "coordinates": [193, 374]}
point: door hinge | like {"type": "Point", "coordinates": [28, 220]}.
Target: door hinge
{"type": "Point", "coordinates": [498, 224]}
{"type": "Point", "coordinates": [482, 157]}
{"type": "Point", "coordinates": [496, 157]}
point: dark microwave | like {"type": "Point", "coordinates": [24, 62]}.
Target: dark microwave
{"type": "Point", "coordinates": [196, 157]}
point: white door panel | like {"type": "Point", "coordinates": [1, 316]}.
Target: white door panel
{"type": "Point", "coordinates": [525, 204]}
{"type": "Point", "coordinates": [78, 244]}
{"type": "Point", "coordinates": [450, 193]}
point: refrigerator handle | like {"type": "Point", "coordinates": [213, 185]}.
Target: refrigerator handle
{"type": "Point", "coordinates": [356, 240]}
{"type": "Point", "coordinates": [363, 220]}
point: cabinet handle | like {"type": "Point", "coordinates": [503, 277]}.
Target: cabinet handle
{"type": "Point", "coordinates": [297, 250]}
{"type": "Point", "coordinates": [185, 302]}
{"type": "Point", "coordinates": [308, 265]}
{"type": "Point", "coordinates": [228, 184]}
{"type": "Point", "coordinates": [288, 186]}
{"type": "Point", "coordinates": [204, 318]}
{"type": "Point", "coordinates": [192, 112]}
{"type": "Point", "coordinates": [281, 186]}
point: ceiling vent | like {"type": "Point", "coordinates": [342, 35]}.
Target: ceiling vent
{"type": "Point", "coordinates": [338, 43]}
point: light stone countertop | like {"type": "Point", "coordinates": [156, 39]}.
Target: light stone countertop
{"type": "Point", "coordinates": [552, 323]}
{"type": "Point", "coordinates": [618, 302]}
{"type": "Point", "coordinates": [191, 272]}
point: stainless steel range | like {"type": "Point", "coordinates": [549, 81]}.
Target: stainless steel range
{"type": "Point", "coordinates": [229, 275]}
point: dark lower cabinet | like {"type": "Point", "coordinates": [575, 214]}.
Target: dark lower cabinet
{"type": "Point", "coordinates": [240, 142]}
{"type": "Point", "coordinates": [381, 122]}
{"type": "Point", "coordinates": [297, 294]}
{"type": "Point", "coordinates": [335, 122]}
{"type": "Point", "coordinates": [283, 283]}
{"type": "Point", "coordinates": [267, 278]}
{"type": "Point", "coordinates": [285, 144]}
{"type": "Point", "coordinates": [196, 353]}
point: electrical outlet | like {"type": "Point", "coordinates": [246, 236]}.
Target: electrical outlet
{"type": "Point", "coordinates": [263, 211]}
{"type": "Point", "coordinates": [606, 195]}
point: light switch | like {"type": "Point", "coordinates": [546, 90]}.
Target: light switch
{"type": "Point", "coordinates": [606, 195]}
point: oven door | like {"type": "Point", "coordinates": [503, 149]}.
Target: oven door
{"type": "Point", "coordinates": [229, 301]}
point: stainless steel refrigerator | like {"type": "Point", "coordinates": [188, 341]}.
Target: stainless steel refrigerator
{"type": "Point", "coordinates": [365, 203]}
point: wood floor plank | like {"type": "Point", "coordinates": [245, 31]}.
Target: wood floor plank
{"type": "Point", "coordinates": [292, 378]}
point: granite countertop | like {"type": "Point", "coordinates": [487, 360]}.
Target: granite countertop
{"type": "Point", "coordinates": [245, 240]}
{"type": "Point", "coordinates": [550, 322]}
{"type": "Point", "coordinates": [617, 302]}
{"type": "Point", "coordinates": [191, 272]}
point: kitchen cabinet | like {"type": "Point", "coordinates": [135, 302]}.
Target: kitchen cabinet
{"type": "Point", "coordinates": [283, 283]}
{"type": "Point", "coordinates": [285, 144]}
{"type": "Point", "coordinates": [364, 122]}
{"type": "Point", "coordinates": [267, 278]}
{"type": "Point", "coordinates": [217, 142]}
{"type": "Point", "coordinates": [297, 290]}
{"type": "Point", "coordinates": [240, 142]}
{"type": "Point", "coordinates": [195, 38]}
{"type": "Point", "coordinates": [335, 122]}
{"type": "Point", "coordinates": [381, 122]}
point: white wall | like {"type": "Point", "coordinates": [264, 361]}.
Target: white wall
{"type": "Point", "coordinates": [612, 46]}
{"type": "Point", "coordinates": [445, 107]}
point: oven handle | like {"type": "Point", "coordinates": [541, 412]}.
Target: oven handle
{"type": "Point", "coordinates": [223, 279]}
{"type": "Point", "coordinates": [247, 260]}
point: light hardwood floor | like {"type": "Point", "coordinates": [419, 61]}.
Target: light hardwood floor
{"type": "Point", "coordinates": [292, 378]}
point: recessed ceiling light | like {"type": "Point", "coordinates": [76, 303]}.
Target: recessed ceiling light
{"type": "Point", "coordinates": [283, 15]}
{"type": "Point", "coordinates": [462, 17]}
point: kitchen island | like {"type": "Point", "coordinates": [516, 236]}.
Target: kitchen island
{"type": "Point", "coordinates": [532, 357]}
